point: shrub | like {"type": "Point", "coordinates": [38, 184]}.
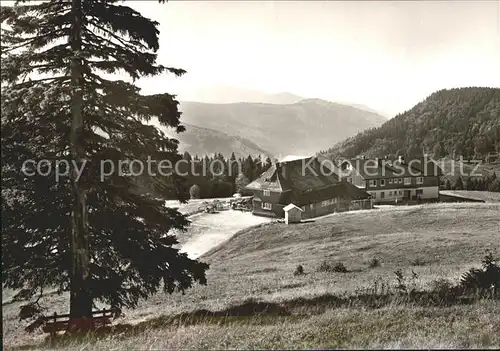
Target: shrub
{"type": "Point", "coordinates": [194, 191]}
{"type": "Point", "coordinates": [374, 262]}
{"type": "Point", "coordinates": [30, 310]}
{"type": "Point", "coordinates": [400, 281]}
{"type": "Point", "coordinates": [299, 270]}
{"type": "Point", "coordinates": [22, 295]}
{"type": "Point", "coordinates": [418, 262]}
{"type": "Point", "coordinates": [340, 268]}
{"type": "Point", "coordinates": [484, 279]}
{"type": "Point", "coordinates": [327, 267]}
{"type": "Point", "coordinates": [443, 288]}
{"type": "Point", "coordinates": [402, 284]}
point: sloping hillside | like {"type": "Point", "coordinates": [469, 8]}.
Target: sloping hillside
{"type": "Point", "coordinates": [486, 196]}
{"type": "Point", "coordinates": [261, 304]}
{"type": "Point", "coordinates": [204, 141]}
{"type": "Point", "coordinates": [369, 109]}
{"type": "Point", "coordinates": [464, 121]}
{"type": "Point", "coordinates": [299, 128]}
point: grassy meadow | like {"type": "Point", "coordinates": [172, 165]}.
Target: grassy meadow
{"type": "Point", "coordinates": [254, 300]}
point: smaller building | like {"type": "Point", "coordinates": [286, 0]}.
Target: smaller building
{"type": "Point", "coordinates": [393, 181]}
{"type": "Point", "coordinates": [293, 214]}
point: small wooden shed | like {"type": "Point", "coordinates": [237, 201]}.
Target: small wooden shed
{"type": "Point", "coordinates": [293, 214]}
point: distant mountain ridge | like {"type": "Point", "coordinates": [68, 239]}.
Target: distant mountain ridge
{"type": "Point", "coordinates": [204, 141]}
{"type": "Point", "coordinates": [302, 127]}
{"type": "Point", "coordinates": [450, 122]}
{"type": "Point", "coordinates": [225, 94]}
{"type": "Point", "coordinates": [230, 94]}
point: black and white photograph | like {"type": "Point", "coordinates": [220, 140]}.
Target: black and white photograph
{"type": "Point", "coordinates": [250, 175]}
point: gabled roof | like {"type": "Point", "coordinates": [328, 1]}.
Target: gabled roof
{"type": "Point", "coordinates": [290, 206]}
{"type": "Point", "coordinates": [267, 181]}
{"type": "Point", "coordinates": [301, 175]}
{"type": "Point", "coordinates": [305, 181]}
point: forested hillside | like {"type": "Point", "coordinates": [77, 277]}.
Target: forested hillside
{"type": "Point", "coordinates": [456, 122]}
{"type": "Point", "coordinates": [299, 129]}
{"type": "Point", "coordinates": [204, 141]}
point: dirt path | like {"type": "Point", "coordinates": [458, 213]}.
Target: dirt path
{"type": "Point", "coordinates": [209, 230]}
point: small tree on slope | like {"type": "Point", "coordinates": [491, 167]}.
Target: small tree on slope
{"type": "Point", "coordinates": [241, 182]}
{"type": "Point", "coordinates": [96, 238]}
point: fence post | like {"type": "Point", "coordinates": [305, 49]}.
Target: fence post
{"type": "Point", "coordinates": [53, 331]}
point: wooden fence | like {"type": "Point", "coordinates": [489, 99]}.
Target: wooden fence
{"type": "Point", "coordinates": [366, 204]}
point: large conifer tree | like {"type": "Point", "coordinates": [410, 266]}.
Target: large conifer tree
{"type": "Point", "coordinates": [85, 233]}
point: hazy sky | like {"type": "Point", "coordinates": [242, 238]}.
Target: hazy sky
{"type": "Point", "coordinates": [387, 55]}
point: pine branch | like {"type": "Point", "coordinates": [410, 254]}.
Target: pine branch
{"type": "Point", "coordinates": [130, 44]}
{"type": "Point", "coordinates": [126, 21]}
{"type": "Point", "coordinates": [127, 227]}
{"type": "Point", "coordinates": [34, 42]}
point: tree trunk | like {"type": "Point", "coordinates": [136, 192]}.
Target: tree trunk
{"type": "Point", "coordinates": [81, 299]}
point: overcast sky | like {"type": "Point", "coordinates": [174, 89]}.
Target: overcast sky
{"type": "Point", "coordinates": [387, 55]}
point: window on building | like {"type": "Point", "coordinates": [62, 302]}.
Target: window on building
{"type": "Point", "coordinates": [390, 193]}
{"type": "Point", "coordinates": [400, 180]}
{"type": "Point", "coordinates": [382, 195]}
{"type": "Point", "coordinates": [420, 180]}
{"type": "Point", "coordinates": [266, 206]}
{"type": "Point", "coordinates": [382, 182]}
{"type": "Point", "coordinates": [390, 181]}
{"type": "Point", "coordinates": [311, 206]}
{"type": "Point", "coordinates": [407, 181]}
{"type": "Point", "coordinates": [267, 193]}
{"type": "Point", "coordinates": [373, 183]}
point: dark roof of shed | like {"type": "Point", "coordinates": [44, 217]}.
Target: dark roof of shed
{"type": "Point", "coordinates": [342, 190]}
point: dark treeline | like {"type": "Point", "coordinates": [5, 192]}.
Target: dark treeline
{"type": "Point", "coordinates": [491, 183]}
{"type": "Point", "coordinates": [212, 176]}
{"type": "Point", "coordinates": [217, 176]}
